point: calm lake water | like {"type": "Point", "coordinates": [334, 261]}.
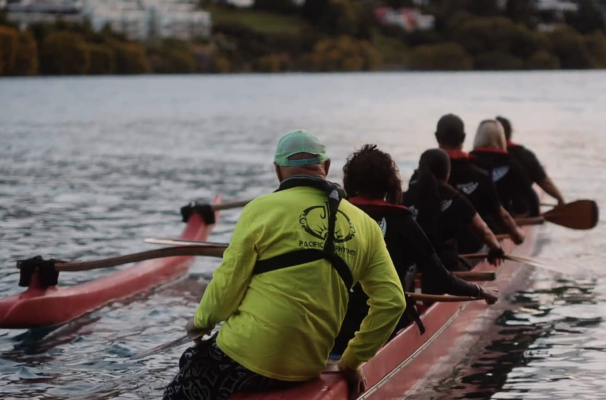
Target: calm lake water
{"type": "Point", "coordinates": [91, 166]}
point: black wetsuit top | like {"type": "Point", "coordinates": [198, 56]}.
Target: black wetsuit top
{"type": "Point", "coordinates": [480, 190]}
{"type": "Point", "coordinates": [514, 189]}
{"type": "Point", "coordinates": [408, 246]}
{"type": "Point", "coordinates": [530, 163]}
{"type": "Point", "coordinates": [456, 214]}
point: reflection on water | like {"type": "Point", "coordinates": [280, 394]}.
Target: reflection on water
{"type": "Point", "coordinates": [539, 343]}
{"type": "Point", "coordinates": [89, 167]}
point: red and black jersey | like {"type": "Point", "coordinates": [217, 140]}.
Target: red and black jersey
{"type": "Point", "coordinates": [456, 214]}
{"type": "Point", "coordinates": [408, 246]}
{"type": "Point", "coordinates": [514, 189]}
{"type": "Point", "coordinates": [528, 160]}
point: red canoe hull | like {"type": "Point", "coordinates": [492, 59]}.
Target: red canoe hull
{"type": "Point", "coordinates": [37, 308]}
{"type": "Point", "coordinates": [406, 361]}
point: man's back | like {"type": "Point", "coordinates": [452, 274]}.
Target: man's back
{"type": "Point", "coordinates": [287, 319]}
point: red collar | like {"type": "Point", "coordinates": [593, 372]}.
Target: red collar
{"type": "Point", "coordinates": [455, 154]}
{"type": "Point", "coordinates": [374, 204]}
{"type": "Point", "coordinates": [512, 144]}
{"type": "Point", "coordinates": [489, 150]}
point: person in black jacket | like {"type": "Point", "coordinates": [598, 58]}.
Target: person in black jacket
{"type": "Point", "coordinates": [490, 154]}
{"type": "Point", "coordinates": [474, 184]}
{"type": "Point", "coordinates": [443, 212]}
{"type": "Point", "coordinates": [529, 161]}
{"type": "Point", "coordinates": [372, 181]}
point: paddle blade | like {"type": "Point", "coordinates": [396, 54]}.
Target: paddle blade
{"type": "Point", "coordinates": [581, 214]}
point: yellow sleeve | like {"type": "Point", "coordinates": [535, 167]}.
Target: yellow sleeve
{"type": "Point", "coordinates": [381, 283]}
{"type": "Point", "coordinates": [230, 281]}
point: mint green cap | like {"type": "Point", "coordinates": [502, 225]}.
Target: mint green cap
{"type": "Point", "coordinates": [296, 142]}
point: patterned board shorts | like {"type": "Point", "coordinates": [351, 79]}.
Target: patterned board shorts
{"type": "Point", "coordinates": [207, 373]}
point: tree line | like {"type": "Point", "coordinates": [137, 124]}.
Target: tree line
{"type": "Point", "coordinates": [338, 35]}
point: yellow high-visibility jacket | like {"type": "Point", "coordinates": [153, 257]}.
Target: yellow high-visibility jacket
{"type": "Point", "coordinates": [282, 324]}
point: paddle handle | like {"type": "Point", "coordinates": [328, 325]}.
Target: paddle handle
{"type": "Point", "coordinates": [530, 221]}
{"type": "Point", "coordinates": [474, 255]}
{"type": "Point", "coordinates": [210, 251]}
{"type": "Point", "coordinates": [502, 236]}
{"type": "Point", "coordinates": [229, 205]}
{"type": "Point", "coordinates": [471, 276]}
{"type": "Point", "coordinates": [441, 298]}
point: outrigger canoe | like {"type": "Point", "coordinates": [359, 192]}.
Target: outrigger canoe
{"type": "Point", "coordinates": [408, 359]}
{"type": "Point", "coordinates": [39, 307]}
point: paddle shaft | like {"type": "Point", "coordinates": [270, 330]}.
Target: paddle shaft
{"type": "Point", "coordinates": [471, 276]}
{"type": "Point", "coordinates": [202, 250]}
{"type": "Point", "coordinates": [227, 206]}
{"type": "Point", "coordinates": [530, 221]}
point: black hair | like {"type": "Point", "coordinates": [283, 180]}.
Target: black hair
{"type": "Point", "coordinates": [506, 126]}
{"type": "Point", "coordinates": [450, 130]}
{"type": "Point", "coordinates": [434, 166]}
{"type": "Point", "coordinates": [371, 172]}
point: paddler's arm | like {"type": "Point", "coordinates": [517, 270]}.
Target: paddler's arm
{"type": "Point", "coordinates": [516, 233]}
{"type": "Point", "coordinates": [483, 232]}
{"type": "Point", "coordinates": [551, 189]}
{"type": "Point", "coordinates": [386, 300]}
{"type": "Point", "coordinates": [230, 281]}
{"type": "Point", "coordinates": [539, 176]}
{"type": "Point", "coordinates": [435, 278]}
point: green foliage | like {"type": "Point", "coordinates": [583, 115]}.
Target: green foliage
{"type": "Point", "coordinates": [342, 54]}
{"type": "Point", "coordinates": [482, 35]}
{"type": "Point", "coordinates": [588, 18]}
{"type": "Point", "coordinates": [26, 60]}
{"type": "Point", "coordinates": [542, 60]}
{"type": "Point", "coordinates": [498, 60]}
{"type": "Point", "coordinates": [393, 51]}
{"type": "Point", "coordinates": [130, 59]}
{"type": "Point", "coordinates": [340, 18]}
{"type": "Point", "coordinates": [102, 59]}
{"type": "Point", "coordinates": [278, 6]}
{"type": "Point", "coordinates": [442, 56]}
{"type": "Point", "coordinates": [419, 37]}
{"type": "Point", "coordinates": [313, 10]}
{"type": "Point", "coordinates": [569, 46]}
{"type": "Point", "coordinates": [521, 11]}
{"type": "Point", "coordinates": [9, 42]}
{"type": "Point", "coordinates": [64, 53]}
{"type": "Point", "coordinates": [259, 21]}
{"type": "Point", "coordinates": [596, 44]}
{"type": "Point", "coordinates": [221, 64]}
{"type": "Point", "coordinates": [483, 7]}
{"type": "Point", "coordinates": [180, 62]}
{"type": "Point", "coordinates": [272, 63]}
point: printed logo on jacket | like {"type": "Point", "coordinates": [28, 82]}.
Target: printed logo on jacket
{"type": "Point", "coordinates": [314, 221]}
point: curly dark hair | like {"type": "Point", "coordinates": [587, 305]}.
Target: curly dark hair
{"type": "Point", "coordinates": [373, 174]}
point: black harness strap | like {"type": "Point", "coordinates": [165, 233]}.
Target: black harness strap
{"type": "Point", "coordinates": [303, 257]}
{"type": "Point", "coordinates": [413, 314]}
{"type": "Point", "coordinates": [299, 257]}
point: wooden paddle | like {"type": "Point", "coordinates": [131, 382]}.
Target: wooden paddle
{"type": "Point", "coordinates": [545, 264]}
{"type": "Point", "coordinates": [191, 250]}
{"type": "Point", "coordinates": [471, 276]}
{"type": "Point", "coordinates": [580, 214]}
{"type": "Point", "coordinates": [229, 205]}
